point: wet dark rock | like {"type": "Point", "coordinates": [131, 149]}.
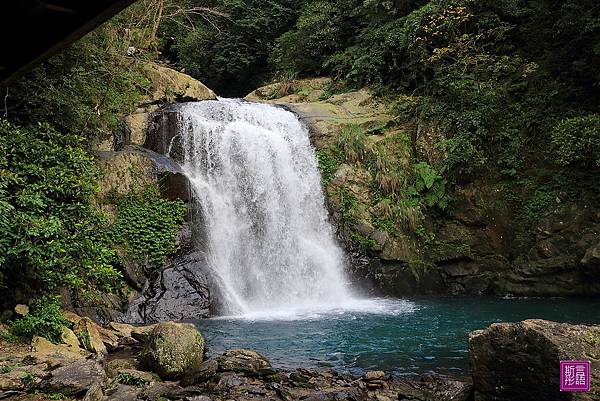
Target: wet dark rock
{"type": "Point", "coordinates": [173, 183]}
{"type": "Point", "coordinates": [245, 361]}
{"type": "Point", "coordinates": [123, 392]}
{"type": "Point", "coordinates": [179, 291]}
{"type": "Point", "coordinates": [173, 350]}
{"type": "Point", "coordinates": [591, 261]}
{"type": "Point", "coordinates": [206, 371]}
{"type": "Point", "coordinates": [198, 398]}
{"type": "Point", "coordinates": [77, 377]}
{"type": "Point", "coordinates": [520, 361]}
{"type": "Point", "coordinates": [161, 390]}
{"type": "Point", "coordinates": [230, 380]}
{"type": "Point", "coordinates": [162, 133]}
{"type": "Point", "coordinates": [101, 309]}
{"type": "Point", "coordinates": [434, 389]}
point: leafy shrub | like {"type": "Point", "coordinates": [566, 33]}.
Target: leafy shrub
{"type": "Point", "coordinates": [349, 205]}
{"type": "Point", "coordinates": [129, 379]}
{"type": "Point", "coordinates": [45, 320]}
{"type": "Point", "coordinates": [405, 214]}
{"type": "Point", "coordinates": [147, 225]}
{"type": "Point", "coordinates": [577, 141]}
{"type": "Point", "coordinates": [322, 29]}
{"type": "Point", "coordinates": [285, 86]}
{"type": "Point", "coordinates": [429, 186]}
{"type": "Point", "coordinates": [83, 89]}
{"type": "Point", "coordinates": [50, 232]}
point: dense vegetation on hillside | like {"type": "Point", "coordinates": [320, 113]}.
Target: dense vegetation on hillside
{"type": "Point", "coordinates": [507, 88]}
{"type": "Point", "coordinates": [494, 75]}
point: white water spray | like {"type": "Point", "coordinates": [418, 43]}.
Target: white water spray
{"type": "Point", "coordinates": [268, 241]}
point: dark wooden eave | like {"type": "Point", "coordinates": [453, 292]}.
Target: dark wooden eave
{"type": "Point", "coordinates": [33, 30]}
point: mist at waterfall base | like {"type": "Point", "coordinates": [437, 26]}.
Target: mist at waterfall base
{"type": "Point", "coordinates": [272, 254]}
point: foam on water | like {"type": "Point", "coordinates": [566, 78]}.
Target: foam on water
{"type": "Point", "coordinates": [374, 306]}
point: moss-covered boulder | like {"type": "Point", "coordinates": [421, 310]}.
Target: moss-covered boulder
{"type": "Point", "coordinates": [173, 350]}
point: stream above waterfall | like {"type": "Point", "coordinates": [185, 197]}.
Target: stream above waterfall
{"type": "Point", "coordinates": [403, 337]}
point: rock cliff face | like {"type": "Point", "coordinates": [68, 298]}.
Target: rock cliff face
{"type": "Point", "coordinates": [478, 245]}
{"type": "Point", "coordinates": [180, 288]}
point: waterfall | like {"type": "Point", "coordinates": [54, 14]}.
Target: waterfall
{"type": "Point", "coordinates": [257, 186]}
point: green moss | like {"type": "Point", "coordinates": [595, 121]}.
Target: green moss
{"type": "Point", "coordinates": [328, 164]}
{"type": "Point", "coordinates": [129, 379]}
{"type": "Point", "coordinates": [418, 268]}
{"type": "Point", "coordinates": [362, 242]}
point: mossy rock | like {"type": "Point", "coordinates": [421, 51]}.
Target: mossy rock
{"type": "Point", "coordinates": [173, 350]}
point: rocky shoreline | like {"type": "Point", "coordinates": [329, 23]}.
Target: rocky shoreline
{"type": "Point", "coordinates": [166, 361]}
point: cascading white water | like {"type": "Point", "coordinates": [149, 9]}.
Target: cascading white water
{"type": "Point", "coordinates": [254, 175]}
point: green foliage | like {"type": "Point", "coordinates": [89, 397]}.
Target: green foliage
{"type": "Point", "coordinates": [404, 214]}
{"type": "Point", "coordinates": [488, 78]}
{"type": "Point", "coordinates": [577, 141]}
{"type": "Point", "coordinates": [285, 86]}
{"type": "Point", "coordinates": [429, 186]}
{"type": "Point", "coordinates": [328, 164]}
{"type": "Point", "coordinates": [231, 54]}
{"type": "Point", "coordinates": [322, 29]}
{"type": "Point", "coordinates": [388, 162]}
{"type": "Point", "coordinates": [55, 396]}
{"type": "Point", "coordinates": [45, 320]}
{"type": "Point", "coordinates": [540, 200]}
{"type": "Point", "coordinates": [7, 368]}
{"type": "Point", "coordinates": [147, 225]}
{"type": "Point", "coordinates": [349, 207]}
{"type": "Point", "coordinates": [352, 141]}
{"type": "Point", "coordinates": [50, 230]}
{"type": "Point", "coordinates": [362, 242]}
{"type": "Point", "coordinates": [129, 379]}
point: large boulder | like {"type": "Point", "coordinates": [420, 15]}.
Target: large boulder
{"type": "Point", "coordinates": [173, 350]}
{"type": "Point", "coordinates": [245, 361]}
{"type": "Point", "coordinates": [520, 361]}
{"type": "Point", "coordinates": [169, 85]}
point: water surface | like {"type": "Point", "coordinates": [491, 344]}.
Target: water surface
{"type": "Point", "coordinates": [403, 337]}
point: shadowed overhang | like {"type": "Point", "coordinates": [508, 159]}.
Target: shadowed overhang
{"type": "Point", "coordinates": [33, 30]}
